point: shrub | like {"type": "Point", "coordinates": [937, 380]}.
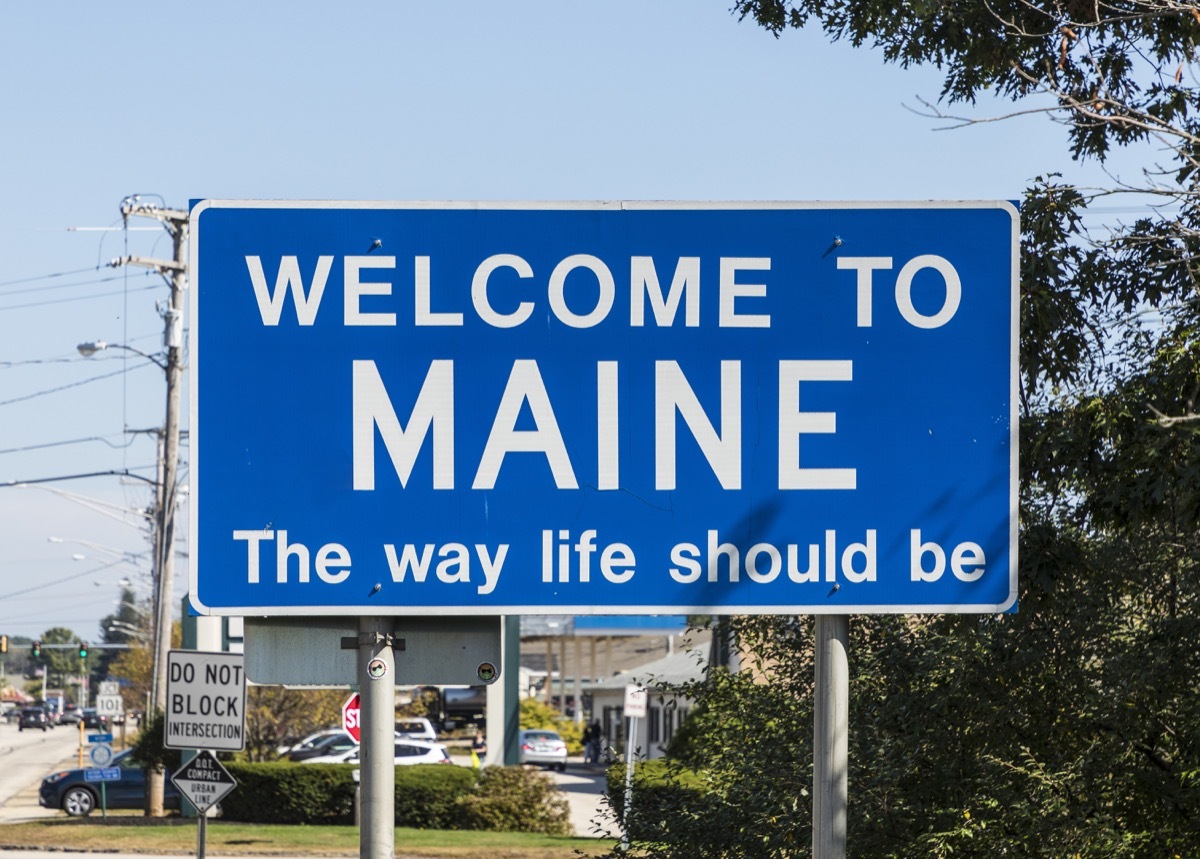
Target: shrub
{"type": "Point", "coordinates": [427, 795]}
{"type": "Point", "coordinates": [662, 791]}
{"type": "Point", "coordinates": [515, 799]}
{"type": "Point", "coordinates": [289, 793]}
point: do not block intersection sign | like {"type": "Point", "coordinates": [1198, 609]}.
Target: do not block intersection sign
{"type": "Point", "coordinates": [206, 701]}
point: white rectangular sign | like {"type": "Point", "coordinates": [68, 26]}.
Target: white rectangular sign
{"type": "Point", "coordinates": [206, 701]}
{"type": "Point", "coordinates": [109, 705]}
{"type": "Point", "coordinates": [635, 701]}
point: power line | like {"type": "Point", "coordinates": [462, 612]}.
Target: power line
{"type": "Point", "coordinates": [50, 276]}
{"type": "Point", "coordinates": [76, 299]}
{"type": "Point", "coordinates": [40, 289]}
{"type": "Point", "coordinates": [68, 387]}
{"type": "Point", "coordinates": [66, 442]}
{"type": "Point", "coordinates": [70, 578]}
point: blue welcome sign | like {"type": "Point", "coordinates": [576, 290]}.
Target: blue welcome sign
{"type": "Point", "coordinates": [603, 408]}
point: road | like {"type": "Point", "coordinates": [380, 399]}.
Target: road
{"type": "Point", "coordinates": [27, 756]}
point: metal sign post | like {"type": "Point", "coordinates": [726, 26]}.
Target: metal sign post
{"type": "Point", "coordinates": [635, 709]}
{"type": "Point", "coordinates": [204, 782]}
{"type": "Point", "coordinates": [831, 726]}
{"type": "Point", "coordinates": [377, 727]}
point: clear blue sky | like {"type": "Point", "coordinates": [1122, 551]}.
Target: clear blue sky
{"type": "Point", "coordinates": [404, 101]}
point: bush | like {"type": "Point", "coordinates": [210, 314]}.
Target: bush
{"type": "Point", "coordinates": [288, 793]}
{"type": "Point", "coordinates": [662, 791]}
{"type": "Point", "coordinates": [515, 799]}
{"type": "Point", "coordinates": [427, 795]}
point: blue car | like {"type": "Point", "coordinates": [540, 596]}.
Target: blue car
{"type": "Point", "coordinates": [74, 793]}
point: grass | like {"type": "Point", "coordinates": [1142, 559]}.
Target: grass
{"type": "Point", "coordinates": [178, 836]}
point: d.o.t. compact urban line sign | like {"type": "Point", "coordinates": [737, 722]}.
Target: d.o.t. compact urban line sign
{"type": "Point", "coordinates": [493, 408]}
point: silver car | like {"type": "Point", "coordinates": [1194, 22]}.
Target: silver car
{"type": "Point", "coordinates": [543, 747]}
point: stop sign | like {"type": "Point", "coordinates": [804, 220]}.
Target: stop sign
{"type": "Point", "coordinates": [350, 717]}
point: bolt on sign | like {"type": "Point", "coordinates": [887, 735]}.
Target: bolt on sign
{"type": "Point", "coordinates": [603, 408]}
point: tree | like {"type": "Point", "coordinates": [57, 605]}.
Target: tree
{"type": "Point", "coordinates": [135, 669]}
{"type": "Point", "coordinates": [276, 715]}
{"type": "Point", "coordinates": [61, 664]}
{"type": "Point", "coordinates": [1073, 726]}
{"type": "Point", "coordinates": [128, 625]}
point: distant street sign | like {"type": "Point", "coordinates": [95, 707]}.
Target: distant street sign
{"type": "Point", "coordinates": [101, 755]}
{"type": "Point", "coordinates": [109, 705]}
{"type": "Point", "coordinates": [204, 781]}
{"type": "Point", "coordinates": [100, 738]}
{"type": "Point", "coordinates": [351, 715]}
{"type": "Point", "coordinates": [603, 408]}
{"type": "Point", "coordinates": [109, 688]}
{"type": "Point", "coordinates": [206, 701]}
{"type": "Point", "coordinates": [635, 701]}
{"type": "Point", "coordinates": [106, 774]}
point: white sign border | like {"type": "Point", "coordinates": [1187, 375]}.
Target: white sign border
{"type": "Point", "coordinates": [612, 205]}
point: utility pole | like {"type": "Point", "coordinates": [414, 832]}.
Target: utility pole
{"type": "Point", "coordinates": [175, 222]}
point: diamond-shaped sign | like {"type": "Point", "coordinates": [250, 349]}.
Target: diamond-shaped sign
{"type": "Point", "coordinates": [203, 781]}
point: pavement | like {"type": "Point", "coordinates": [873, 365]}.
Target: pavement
{"type": "Point", "coordinates": [582, 784]}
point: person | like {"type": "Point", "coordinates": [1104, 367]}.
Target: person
{"type": "Point", "coordinates": [587, 745]}
{"type": "Point", "coordinates": [595, 738]}
{"type": "Point", "coordinates": [478, 749]}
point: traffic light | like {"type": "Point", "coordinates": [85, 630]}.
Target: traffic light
{"type": "Point", "coordinates": [83, 650]}
{"type": "Point", "coordinates": [3, 644]}
{"type": "Point", "coordinates": [37, 650]}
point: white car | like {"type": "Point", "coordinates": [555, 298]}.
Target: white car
{"type": "Point", "coordinates": [416, 728]}
{"type": "Point", "coordinates": [407, 752]}
{"type": "Point", "coordinates": [327, 742]}
{"type": "Point", "coordinates": [544, 748]}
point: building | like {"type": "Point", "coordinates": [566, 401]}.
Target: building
{"type": "Point", "coordinates": [665, 711]}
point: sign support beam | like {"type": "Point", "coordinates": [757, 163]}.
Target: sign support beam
{"type": "Point", "coordinates": [377, 694]}
{"type": "Point", "coordinates": [831, 728]}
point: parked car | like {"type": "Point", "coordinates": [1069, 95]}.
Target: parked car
{"type": "Point", "coordinates": [71, 715]}
{"type": "Point", "coordinates": [34, 718]}
{"type": "Point", "coordinates": [543, 748]}
{"type": "Point", "coordinates": [73, 793]}
{"type": "Point", "coordinates": [407, 752]}
{"type": "Point", "coordinates": [417, 729]}
{"type": "Point", "coordinates": [332, 741]}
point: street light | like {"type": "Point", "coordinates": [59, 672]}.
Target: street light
{"type": "Point", "coordinates": [91, 347]}
{"type": "Point", "coordinates": [127, 629]}
{"type": "Point", "coordinates": [119, 554]}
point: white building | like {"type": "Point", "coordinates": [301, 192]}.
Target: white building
{"type": "Point", "coordinates": [665, 711]}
